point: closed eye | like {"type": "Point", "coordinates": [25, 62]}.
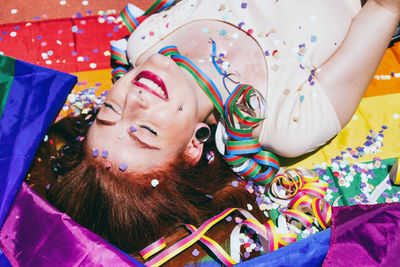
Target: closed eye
{"type": "Point", "coordinates": [149, 129]}
{"type": "Point", "coordinates": [108, 105]}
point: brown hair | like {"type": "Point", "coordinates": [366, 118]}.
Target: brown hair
{"type": "Point", "coordinates": [132, 215]}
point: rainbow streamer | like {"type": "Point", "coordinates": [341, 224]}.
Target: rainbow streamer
{"type": "Point", "coordinates": [218, 251]}
{"type": "Point", "coordinates": [152, 249]}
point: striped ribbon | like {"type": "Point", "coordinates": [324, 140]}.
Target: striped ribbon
{"type": "Point", "coordinates": [243, 153]}
{"type": "Point", "coordinates": [307, 203]}
{"type": "Point", "coordinates": [131, 21]}
{"type": "Point", "coordinates": [152, 249]}
{"type": "Point", "coordinates": [118, 72]}
{"type": "Point", "coordinates": [188, 241]}
{"type": "Point", "coordinates": [306, 193]}
{"type": "Point", "coordinates": [218, 251]}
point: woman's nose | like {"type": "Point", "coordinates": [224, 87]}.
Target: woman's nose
{"type": "Point", "coordinates": [136, 99]}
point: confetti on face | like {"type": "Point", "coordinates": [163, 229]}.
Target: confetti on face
{"type": "Point", "coordinates": [104, 153]}
{"type": "Point", "coordinates": [95, 152]}
{"type": "Point", "coordinates": [132, 129]}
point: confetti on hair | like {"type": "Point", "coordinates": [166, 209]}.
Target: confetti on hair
{"type": "Point", "coordinates": [210, 156]}
{"type": "Point", "coordinates": [104, 154]}
{"type": "Point", "coordinates": [123, 167]}
{"type": "Point", "coordinates": [95, 152]}
{"type": "Point", "coordinates": [195, 253]}
{"type": "Point", "coordinates": [154, 182]}
{"type": "Point", "coordinates": [108, 165]}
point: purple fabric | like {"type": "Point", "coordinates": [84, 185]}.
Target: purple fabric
{"type": "Point", "coordinates": [365, 235]}
{"type": "Point", "coordinates": [36, 234]}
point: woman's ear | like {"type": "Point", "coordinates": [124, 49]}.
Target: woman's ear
{"type": "Point", "coordinates": [194, 150]}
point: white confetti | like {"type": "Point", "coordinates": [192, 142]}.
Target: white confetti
{"type": "Point", "coordinates": [14, 11]}
{"type": "Point", "coordinates": [13, 34]}
{"type": "Point", "coordinates": [396, 116]}
{"type": "Point", "coordinates": [154, 182]}
{"type": "Point", "coordinates": [85, 3]}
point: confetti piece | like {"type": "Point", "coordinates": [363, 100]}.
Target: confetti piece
{"type": "Point", "coordinates": [313, 38]}
{"type": "Point", "coordinates": [154, 182]}
{"type": "Point", "coordinates": [195, 252]}
{"type": "Point", "coordinates": [132, 129]}
{"type": "Point", "coordinates": [95, 153]}
{"type": "Point", "coordinates": [108, 165]}
{"type": "Point", "coordinates": [104, 153]}
{"type": "Point", "coordinates": [14, 11]}
{"type": "Point", "coordinates": [123, 167]}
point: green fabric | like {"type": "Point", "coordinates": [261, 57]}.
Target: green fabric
{"type": "Point", "coordinates": [7, 67]}
{"type": "Point", "coordinates": [353, 195]}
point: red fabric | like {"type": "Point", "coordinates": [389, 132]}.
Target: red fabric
{"type": "Point", "coordinates": [68, 40]}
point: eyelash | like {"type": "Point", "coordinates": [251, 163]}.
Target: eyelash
{"type": "Point", "coordinates": [149, 129]}
{"type": "Point", "coordinates": [109, 106]}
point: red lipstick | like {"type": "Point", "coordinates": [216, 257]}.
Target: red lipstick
{"type": "Point", "coordinates": [148, 75]}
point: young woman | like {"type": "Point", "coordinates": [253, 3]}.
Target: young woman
{"type": "Point", "coordinates": [145, 168]}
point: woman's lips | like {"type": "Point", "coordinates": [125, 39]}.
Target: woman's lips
{"type": "Point", "coordinates": [155, 79]}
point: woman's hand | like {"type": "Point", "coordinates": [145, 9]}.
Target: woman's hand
{"type": "Point", "coordinates": [391, 5]}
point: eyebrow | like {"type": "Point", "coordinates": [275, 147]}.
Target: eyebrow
{"type": "Point", "coordinates": [141, 143]}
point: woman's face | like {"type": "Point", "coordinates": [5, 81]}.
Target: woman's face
{"type": "Point", "coordinates": [149, 116]}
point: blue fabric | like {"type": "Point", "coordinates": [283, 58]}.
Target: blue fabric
{"type": "Point", "coordinates": [34, 100]}
{"type": "Point", "coordinates": [3, 260]}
